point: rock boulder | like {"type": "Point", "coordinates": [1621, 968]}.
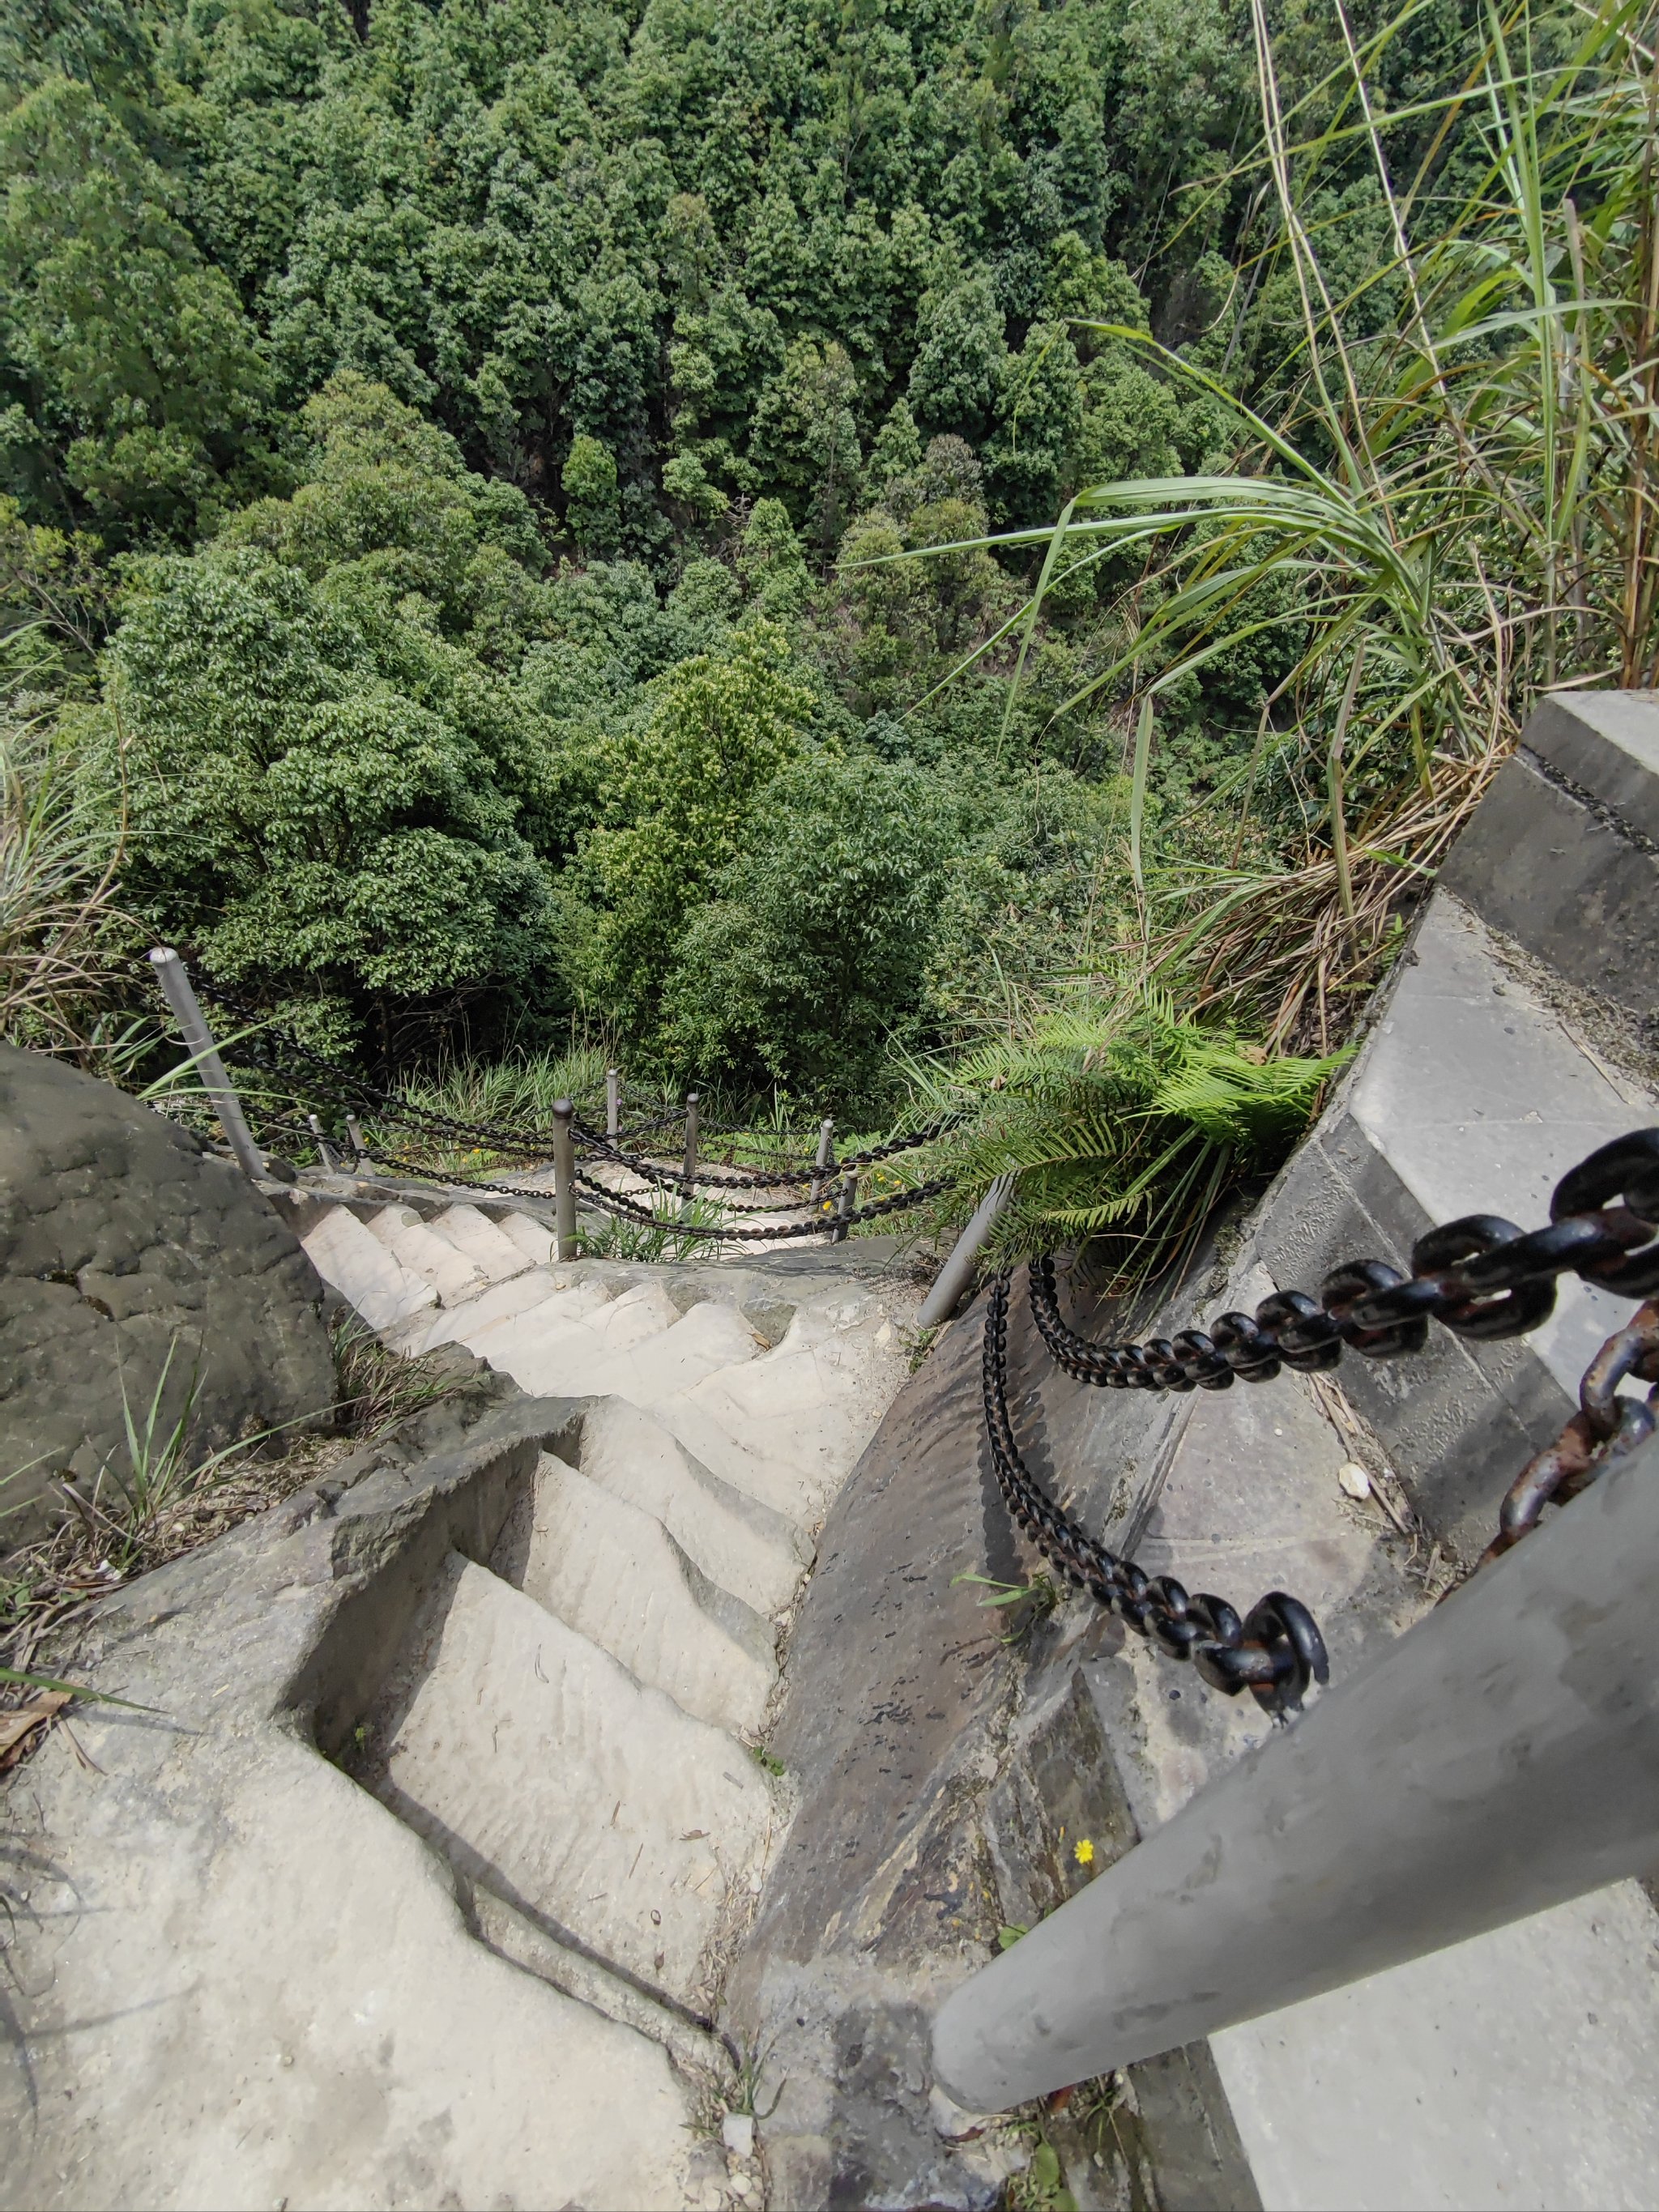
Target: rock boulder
{"type": "Point", "coordinates": [123, 1238]}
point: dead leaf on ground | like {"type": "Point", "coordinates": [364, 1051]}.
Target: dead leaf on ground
{"type": "Point", "coordinates": [17, 1727]}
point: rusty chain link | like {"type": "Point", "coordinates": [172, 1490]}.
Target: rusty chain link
{"type": "Point", "coordinates": [1481, 1277]}
{"type": "Point", "coordinates": [1605, 1429]}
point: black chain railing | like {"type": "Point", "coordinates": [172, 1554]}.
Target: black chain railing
{"type": "Point", "coordinates": [1480, 1277]}
{"type": "Point", "coordinates": [272, 1045]}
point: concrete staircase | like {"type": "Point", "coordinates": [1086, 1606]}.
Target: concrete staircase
{"type": "Point", "coordinates": [572, 1723]}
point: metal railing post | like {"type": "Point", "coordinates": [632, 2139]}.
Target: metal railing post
{"type": "Point", "coordinates": [954, 1277]}
{"type": "Point", "coordinates": [613, 1101]}
{"type": "Point", "coordinates": [176, 984]}
{"type": "Point", "coordinates": [826, 1153]}
{"type": "Point", "coordinates": [849, 1191]}
{"type": "Point", "coordinates": [689, 1167]}
{"type": "Point", "coordinates": [1501, 1757]}
{"type": "Point", "coordinates": [360, 1159]}
{"type": "Point", "coordinates": [564, 1181]}
{"type": "Point", "coordinates": [324, 1150]}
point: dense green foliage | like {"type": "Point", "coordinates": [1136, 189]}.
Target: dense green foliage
{"type": "Point", "coordinates": [458, 462]}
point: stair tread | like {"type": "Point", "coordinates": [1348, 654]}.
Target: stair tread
{"type": "Point", "coordinates": [611, 1571]}
{"type": "Point", "coordinates": [744, 1545]}
{"type": "Point", "coordinates": [574, 1361]}
{"type": "Point", "coordinates": [476, 1235]}
{"type": "Point", "coordinates": [534, 1238]}
{"type": "Point", "coordinates": [424, 1253]}
{"type": "Point", "coordinates": [535, 1760]}
{"type": "Point", "coordinates": [350, 1256]}
{"type": "Point", "coordinates": [535, 1290]}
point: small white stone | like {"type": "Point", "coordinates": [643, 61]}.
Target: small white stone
{"type": "Point", "coordinates": [737, 2134]}
{"type": "Point", "coordinates": [1354, 1478]}
{"type": "Point", "coordinates": [741, 2184]}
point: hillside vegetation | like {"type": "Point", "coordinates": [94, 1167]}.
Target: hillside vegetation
{"type": "Point", "coordinates": [469, 473]}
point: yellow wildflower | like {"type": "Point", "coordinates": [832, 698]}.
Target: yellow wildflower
{"type": "Point", "coordinates": [1084, 1851]}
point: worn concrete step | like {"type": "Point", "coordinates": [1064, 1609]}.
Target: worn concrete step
{"type": "Point", "coordinates": [348, 1255]}
{"type": "Point", "coordinates": [576, 1361]}
{"type": "Point", "coordinates": [505, 1932]}
{"type": "Point", "coordinates": [534, 1238]}
{"type": "Point", "coordinates": [424, 1253]}
{"type": "Point", "coordinates": [746, 1547]}
{"type": "Point", "coordinates": [612, 1571]}
{"type": "Point", "coordinates": [788, 1428]}
{"type": "Point", "coordinates": [491, 1251]}
{"type": "Point", "coordinates": [539, 1292]}
{"type": "Point", "coordinates": [593, 1804]}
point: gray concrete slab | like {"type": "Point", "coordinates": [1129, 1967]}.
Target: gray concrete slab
{"type": "Point", "coordinates": [1474, 1092]}
{"type": "Point", "coordinates": [1482, 1101]}
{"type": "Point", "coordinates": [1516, 2070]}
{"type": "Point", "coordinates": [1607, 743]}
{"type": "Point", "coordinates": [1562, 850]}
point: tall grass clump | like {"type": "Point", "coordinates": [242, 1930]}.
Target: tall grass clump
{"type": "Point", "coordinates": [1452, 487]}
{"type": "Point", "coordinates": [60, 854]}
{"type": "Point", "coordinates": [1463, 503]}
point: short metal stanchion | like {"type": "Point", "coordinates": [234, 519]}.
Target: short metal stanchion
{"type": "Point", "coordinates": [324, 1150]}
{"type": "Point", "coordinates": [360, 1159]}
{"type": "Point", "coordinates": [826, 1154]}
{"type": "Point", "coordinates": [688, 1171]}
{"type": "Point", "coordinates": [170, 974]}
{"type": "Point", "coordinates": [957, 1273]}
{"type": "Point", "coordinates": [849, 1191]}
{"type": "Point", "coordinates": [613, 1101]}
{"type": "Point", "coordinates": [564, 1181]}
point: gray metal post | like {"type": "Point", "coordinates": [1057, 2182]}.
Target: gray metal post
{"type": "Point", "coordinates": [1501, 1757]}
{"type": "Point", "coordinates": [360, 1150]}
{"type": "Point", "coordinates": [613, 1101]}
{"type": "Point", "coordinates": [954, 1277]}
{"type": "Point", "coordinates": [849, 1191]}
{"type": "Point", "coordinates": [826, 1152]}
{"type": "Point", "coordinates": [689, 1167]}
{"type": "Point", "coordinates": [198, 1042]}
{"type": "Point", "coordinates": [324, 1150]}
{"type": "Point", "coordinates": [564, 1181]}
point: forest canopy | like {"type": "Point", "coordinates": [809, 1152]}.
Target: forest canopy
{"type": "Point", "coordinates": [463, 465]}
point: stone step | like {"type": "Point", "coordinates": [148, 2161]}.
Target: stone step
{"type": "Point", "coordinates": [693, 2049]}
{"type": "Point", "coordinates": [534, 1238]}
{"type": "Point", "coordinates": [538, 1290]}
{"type": "Point", "coordinates": [612, 1571]}
{"type": "Point", "coordinates": [474, 1234]}
{"type": "Point", "coordinates": [349, 1255]}
{"type": "Point", "coordinates": [788, 1428]}
{"type": "Point", "coordinates": [424, 1253]}
{"type": "Point", "coordinates": [593, 1804]}
{"type": "Point", "coordinates": [742, 1545]}
{"type": "Point", "coordinates": [663, 1363]}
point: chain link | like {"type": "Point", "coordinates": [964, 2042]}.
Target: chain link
{"type": "Point", "coordinates": [1605, 1429]}
{"type": "Point", "coordinates": [1276, 1651]}
{"type": "Point", "coordinates": [1481, 1277]}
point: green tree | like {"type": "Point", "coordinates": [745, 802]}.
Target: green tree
{"type": "Point", "coordinates": [770, 561]}
{"type": "Point", "coordinates": [318, 802]}
{"type": "Point", "coordinates": [681, 789]}
{"type": "Point", "coordinates": [588, 480]}
{"type": "Point", "coordinates": [134, 357]}
{"type": "Point", "coordinates": [806, 435]}
{"type": "Point", "coordinates": [814, 950]}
